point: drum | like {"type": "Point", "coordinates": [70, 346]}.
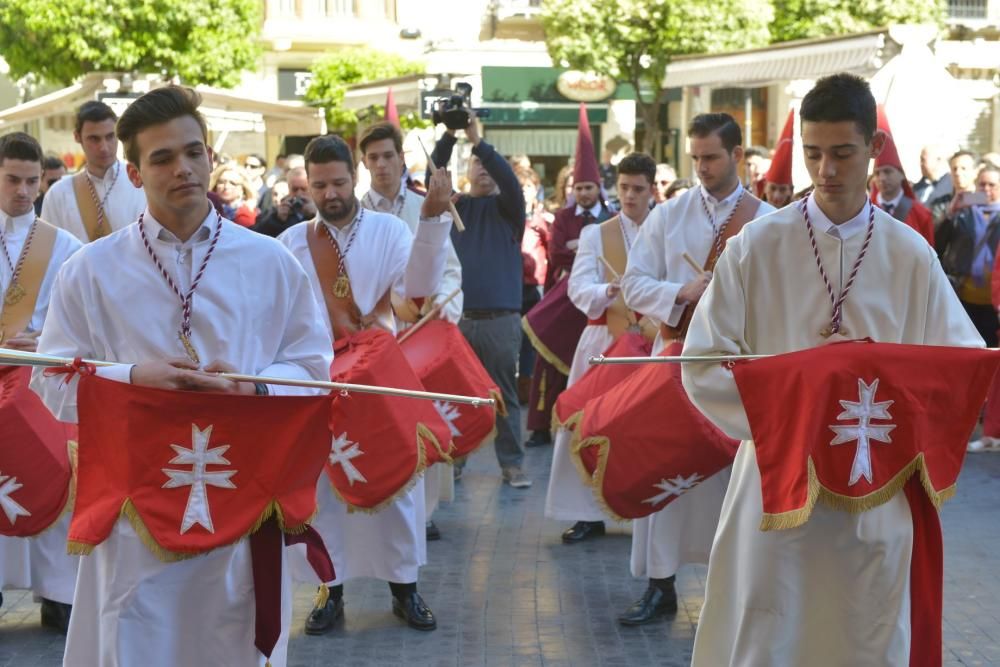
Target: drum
{"type": "Point", "coordinates": [554, 326]}
{"type": "Point", "coordinates": [446, 363]}
{"type": "Point", "coordinates": [35, 473]}
{"type": "Point", "coordinates": [599, 379]}
{"type": "Point", "coordinates": [380, 443]}
{"type": "Point", "coordinates": [644, 444]}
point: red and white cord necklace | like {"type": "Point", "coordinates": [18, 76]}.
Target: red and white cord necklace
{"type": "Point", "coordinates": [102, 203]}
{"type": "Point", "coordinates": [837, 300]}
{"type": "Point", "coordinates": [184, 333]}
{"type": "Point", "coordinates": [342, 286]}
{"type": "Point", "coordinates": [720, 231]}
{"type": "Point", "coordinates": [15, 291]}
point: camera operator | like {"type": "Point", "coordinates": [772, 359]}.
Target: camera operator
{"type": "Point", "coordinates": [295, 207]}
{"type": "Point", "coordinates": [490, 252]}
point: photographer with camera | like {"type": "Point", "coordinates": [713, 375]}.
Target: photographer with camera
{"type": "Point", "coordinates": [295, 207]}
{"type": "Point", "coordinates": [490, 252]}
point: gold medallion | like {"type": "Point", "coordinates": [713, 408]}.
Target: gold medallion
{"type": "Point", "coordinates": [342, 287]}
{"type": "Point", "coordinates": [14, 294]}
{"type": "Point", "coordinates": [826, 332]}
{"type": "Point", "coordinates": [189, 348]}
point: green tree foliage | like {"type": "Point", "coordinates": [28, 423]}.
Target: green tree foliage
{"type": "Point", "coordinates": [201, 41]}
{"type": "Point", "coordinates": [335, 72]}
{"type": "Point", "coordinates": [801, 19]}
{"type": "Point", "coordinates": [634, 40]}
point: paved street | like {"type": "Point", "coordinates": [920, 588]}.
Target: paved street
{"type": "Point", "coordinates": [507, 592]}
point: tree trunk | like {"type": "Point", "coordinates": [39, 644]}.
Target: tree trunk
{"type": "Point", "coordinates": [650, 113]}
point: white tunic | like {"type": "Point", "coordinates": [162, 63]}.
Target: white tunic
{"type": "Point", "coordinates": [39, 563]}
{"type": "Point", "coordinates": [836, 590]}
{"type": "Point", "coordinates": [406, 206]}
{"type": "Point", "coordinates": [122, 206]}
{"type": "Point", "coordinates": [682, 531]}
{"type": "Point", "coordinates": [390, 545]}
{"type": "Point", "coordinates": [253, 309]}
{"type": "Point", "coordinates": [568, 498]}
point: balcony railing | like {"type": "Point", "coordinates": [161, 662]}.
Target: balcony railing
{"type": "Point", "coordinates": [968, 9]}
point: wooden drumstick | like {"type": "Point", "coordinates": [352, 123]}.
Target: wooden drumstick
{"type": "Point", "coordinates": [694, 265]}
{"type": "Point", "coordinates": [431, 314]}
{"type": "Point", "coordinates": [456, 219]}
{"type": "Point", "coordinates": [616, 276]}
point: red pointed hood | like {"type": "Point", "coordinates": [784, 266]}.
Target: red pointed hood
{"type": "Point", "coordinates": [585, 168]}
{"type": "Point", "coordinates": [889, 157]}
{"type": "Point", "coordinates": [391, 113]}
{"type": "Point", "coordinates": [780, 172]}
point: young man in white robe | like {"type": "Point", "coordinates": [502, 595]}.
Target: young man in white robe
{"type": "Point", "coordinates": [253, 312]}
{"type": "Point", "coordinates": [834, 591]}
{"type": "Point", "coordinates": [660, 283]}
{"type": "Point", "coordinates": [379, 254]}
{"type": "Point", "coordinates": [38, 563]}
{"type": "Point", "coordinates": [99, 199]}
{"type": "Point", "coordinates": [593, 291]}
{"type": "Point", "coordinates": [382, 153]}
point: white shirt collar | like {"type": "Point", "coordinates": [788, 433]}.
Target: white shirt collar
{"type": "Point", "coordinates": [726, 201]}
{"type": "Point", "coordinates": [344, 232]}
{"type": "Point", "coordinates": [894, 201]}
{"type": "Point", "coordinates": [844, 230]}
{"type": "Point", "coordinates": [15, 225]}
{"type": "Point", "coordinates": [109, 174]}
{"type": "Point", "coordinates": [595, 210]}
{"type": "Point", "coordinates": [160, 233]}
{"type": "Point", "coordinates": [631, 224]}
{"type": "Point", "coordinates": [382, 203]}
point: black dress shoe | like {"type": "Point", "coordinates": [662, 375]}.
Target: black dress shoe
{"type": "Point", "coordinates": [539, 438]}
{"type": "Point", "coordinates": [414, 611]}
{"type": "Point", "coordinates": [322, 617]}
{"type": "Point", "coordinates": [581, 530]}
{"type": "Point", "coordinates": [55, 615]}
{"type": "Point", "coordinates": [653, 604]}
{"type": "Point", "coordinates": [433, 533]}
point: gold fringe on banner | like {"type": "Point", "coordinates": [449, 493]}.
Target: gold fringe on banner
{"type": "Point", "coordinates": [419, 469]}
{"type": "Point", "coordinates": [543, 349]}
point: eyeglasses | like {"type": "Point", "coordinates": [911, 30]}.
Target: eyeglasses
{"type": "Point", "coordinates": [252, 165]}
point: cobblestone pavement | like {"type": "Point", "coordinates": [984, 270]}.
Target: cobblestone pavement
{"type": "Point", "coordinates": [506, 591]}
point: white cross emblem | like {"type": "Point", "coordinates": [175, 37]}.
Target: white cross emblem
{"type": "Point", "coordinates": [10, 507]}
{"type": "Point", "coordinates": [449, 413]}
{"type": "Point", "coordinates": [342, 452]}
{"type": "Point", "coordinates": [677, 486]}
{"type": "Point", "coordinates": [864, 431]}
{"type": "Point", "coordinates": [199, 456]}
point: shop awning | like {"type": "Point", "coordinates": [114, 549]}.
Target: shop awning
{"type": "Point", "coordinates": [802, 59]}
{"type": "Point", "coordinates": [57, 102]}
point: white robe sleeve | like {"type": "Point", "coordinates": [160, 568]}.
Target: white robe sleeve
{"type": "Point", "coordinates": [427, 256]}
{"type": "Point", "coordinates": [587, 289]}
{"type": "Point", "coordinates": [646, 287]}
{"type": "Point", "coordinates": [450, 281]}
{"type": "Point", "coordinates": [306, 348]}
{"type": "Point", "coordinates": [717, 328]}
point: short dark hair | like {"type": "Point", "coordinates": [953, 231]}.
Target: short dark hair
{"type": "Point", "coordinates": [329, 148]}
{"type": "Point", "coordinates": [638, 164]}
{"type": "Point", "coordinates": [52, 162]}
{"type": "Point", "coordinates": [963, 153]}
{"type": "Point", "coordinates": [20, 146]}
{"type": "Point", "coordinates": [679, 184]}
{"type": "Point", "coordinates": [756, 151]}
{"type": "Point", "coordinates": [157, 107]}
{"type": "Point", "coordinates": [378, 132]}
{"type": "Point", "coordinates": [722, 124]}
{"type": "Point", "coordinates": [93, 111]}
{"type": "Point", "coordinates": [256, 156]}
{"type": "Point", "coordinates": [841, 97]}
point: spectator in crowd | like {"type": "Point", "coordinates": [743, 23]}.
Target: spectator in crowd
{"type": "Point", "coordinates": [236, 195]}
{"type": "Point", "coordinates": [990, 160]}
{"type": "Point", "coordinates": [563, 190]}
{"type": "Point", "coordinates": [967, 242]}
{"type": "Point", "coordinates": [756, 160]}
{"type": "Point", "coordinates": [935, 180]}
{"type": "Point", "coordinates": [665, 175]}
{"type": "Point", "coordinates": [277, 172]}
{"type": "Point", "coordinates": [490, 252]}
{"type": "Point", "coordinates": [255, 167]}
{"type": "Point", "coordinates": [291, 209]}
{"type": "Point", "coordinates": [679, 187]}
{"type": "Point", "coordinates": [534, 253]}
{"type": "Point", "coordinates": [53, 168]}
{"type": "Point", "coordinates": [963, 179]}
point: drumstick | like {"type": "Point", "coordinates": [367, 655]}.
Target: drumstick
{"type": "Point", "coordinates": [694, 265]}
{"type": "Point", "coordinates": [614, 274]}
{"type": "Point", "coordinates": [18, 358]}
{"type": "Point", "coordinates": [456, 219]}
{"type": "Point", "coordinates": [431, 314]}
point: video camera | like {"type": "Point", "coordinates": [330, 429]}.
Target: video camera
{"type": "Point", "coordinates": [453, 109]}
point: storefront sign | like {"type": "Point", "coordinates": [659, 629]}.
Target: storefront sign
{"type": "Point", "coordinates": [293, 83]}
{"type": "Point", "coordinates": [585, 86]}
